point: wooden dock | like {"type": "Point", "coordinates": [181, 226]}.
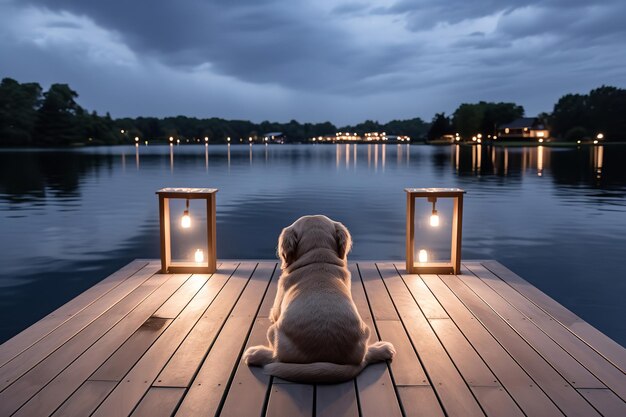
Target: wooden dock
{"type": "Point", "coordinates": [140, 343]}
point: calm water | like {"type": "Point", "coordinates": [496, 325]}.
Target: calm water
{"type": "Point", "coordinates": [557, 217]}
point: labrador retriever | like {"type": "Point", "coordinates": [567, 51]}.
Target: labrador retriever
{"type": "Point", "coordinates": [317, 335]}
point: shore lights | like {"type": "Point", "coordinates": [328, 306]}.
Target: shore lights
{"type": "Point", "coordinates": [201, 259]}
{"type": "Point", "coordinates": [418, 258]}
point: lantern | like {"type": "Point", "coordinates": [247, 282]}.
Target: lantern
{"type": "Point", "coordinates": [419, 257]}
{"type": "Point", "coordinates": [201, 259]}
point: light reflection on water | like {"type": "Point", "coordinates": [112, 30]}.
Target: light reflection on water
{"type": "Point", "coordinates": [556, 216]}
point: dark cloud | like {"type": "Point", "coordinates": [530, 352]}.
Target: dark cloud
{"type": "Point", "coordinates": [339, 60]}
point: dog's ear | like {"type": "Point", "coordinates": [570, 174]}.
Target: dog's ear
{"type": "Point", "coordinates": [287, 245]}
{"type": "Point", "coordinates": [344, 240]}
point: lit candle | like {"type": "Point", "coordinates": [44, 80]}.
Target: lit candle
{"type": "Point", "coordinates": [422, 256]}
{"type": "Point", "coordinates": [199, 256]}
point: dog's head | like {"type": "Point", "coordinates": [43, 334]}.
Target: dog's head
{"type": "Point", "coordinates": [312, 232]}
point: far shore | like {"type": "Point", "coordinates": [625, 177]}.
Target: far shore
{"type": "Point", "coordinates": [503, 144]}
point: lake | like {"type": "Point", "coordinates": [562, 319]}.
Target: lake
{"type": "Point", "coordinates": [556, 216]}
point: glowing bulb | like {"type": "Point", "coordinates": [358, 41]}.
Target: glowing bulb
{"type": "Point", "coordinates": [185, 221]}
{"type": "Point", "coordinates": [422, 256]}
{"type": "Point", "coordinates": [434, 219]}
{"type": "Point", "coordinates": [199, 256]}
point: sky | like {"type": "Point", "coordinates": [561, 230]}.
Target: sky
{"type": "Point", "coordinates": [313, 61]}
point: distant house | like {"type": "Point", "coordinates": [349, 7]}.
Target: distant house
{"type": "Point", "coordinates": [524, 128]}
{"type": "Point", "coordinates": [275, 137]}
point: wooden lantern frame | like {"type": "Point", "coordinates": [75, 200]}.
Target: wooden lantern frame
{"type": "Point", "coordinates": [210, 263]}
{"type": "Point", "coordinates": [452, 267]}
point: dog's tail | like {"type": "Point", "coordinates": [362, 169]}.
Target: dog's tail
{"type": "Point", "coordinates": [326, 372]}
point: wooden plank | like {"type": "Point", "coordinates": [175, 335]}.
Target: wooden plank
{"type": "Point", "coordinates": [159, 402]}
{"type": "Point", "coordinates": [422, 295]}
{"type": "Point", "coordinates": [471, 366]}
{"type": "Point", "coordinates": [84, 366]}
{"type": "Point", "coordinates": [558, 389]}
{"type": "Point", "coordinates": [376, 393]}
{"type": "Point", "coordinates": [250, 387]}
{"type": "Point", "coordinates": [531, 399]}
{"type": "Point", "coordinates": [129, 353]}
{"type": "Point", "coordinates": [336, 400]}
{"type": "Point", "coordinates": [187, 359]}
{"type": "Point", "coordinates": [420, 401]}
{"type": "Point", "coordinates": [207, 389]}
{"type": "Point", "coordinates": [603, 344]}
{"type": "Point", "coordinates": [30, 357]}
{"type": "Point", "coordinates": [597, 364]}
{"type": "Point", "coordinates": [559, 358]}
{"type": "Point", "coordinates": [34, 333]}
{"type": "Point", "coordinates": [172, 307]}
{"type": "Point", "coordinates": [290, 400]}
{"type": "Point", "coordinates": [138, 380]}
{"type": "Point", "coordinates": [453, 392]}
{"type": "Point", "coordinates": [35, 379]}
{"type": "Point", "coordinates": [405, 366]}
{"type": "Point", "coordinates": [496, 402]}
{"type": "Point", "coordinates": [379, 301]}
{"type": "Point", "coordinates": [268, 301]}
{"type": "Point", "coordinates": [605, 401]}
{"type": "Point", "coordinates": [85, 399]}
{"type": "Point", "coordinates": [248, 392]}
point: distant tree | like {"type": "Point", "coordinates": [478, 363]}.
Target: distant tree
{"type": "Point", "coordinates": [440, 126]}
{"type": "Point", "coordinates": [467, 119]}
{"type": "Point", "coordinates": [484, 117]}
{"type": "Point", "coordinates": [569, 112]}
{"type": "Point", "coordinates": [18, 111]}
{"type": "Point", "coordinates": [600, 111]}
{"type": "Point", "coordinates": [59, 117]}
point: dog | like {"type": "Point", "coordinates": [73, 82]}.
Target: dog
{"type": "Point", "coordinates": [317, 334]}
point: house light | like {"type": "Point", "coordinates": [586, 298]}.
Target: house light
{"type": "Point", "coordinates": [199, 256]}
{"type": "Point", "coordinates": [600, 136]}
{"type": "Point", "coordinates": [422, 256]}
{"type": "Point", "coordinates": [506, 130]}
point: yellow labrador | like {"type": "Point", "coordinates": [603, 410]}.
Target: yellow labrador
{"type": "Point", "coordinates": [317, 334]}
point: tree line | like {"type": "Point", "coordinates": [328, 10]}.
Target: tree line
{"type": "Point", "coordinates": [574, 117]}
{"type": "Point", "coordinates": [31, 117]}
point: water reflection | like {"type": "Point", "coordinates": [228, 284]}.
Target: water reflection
{"type": "Point", "coordinates": [555, 215]}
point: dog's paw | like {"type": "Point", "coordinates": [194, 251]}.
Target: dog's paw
{"type": "Point", "coordinates": [380, 351]}
{"type": "Point", "coordinates": [258, 356]}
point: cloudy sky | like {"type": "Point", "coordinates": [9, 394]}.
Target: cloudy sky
{"type": "Point", "coordinates": [343, 61]}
